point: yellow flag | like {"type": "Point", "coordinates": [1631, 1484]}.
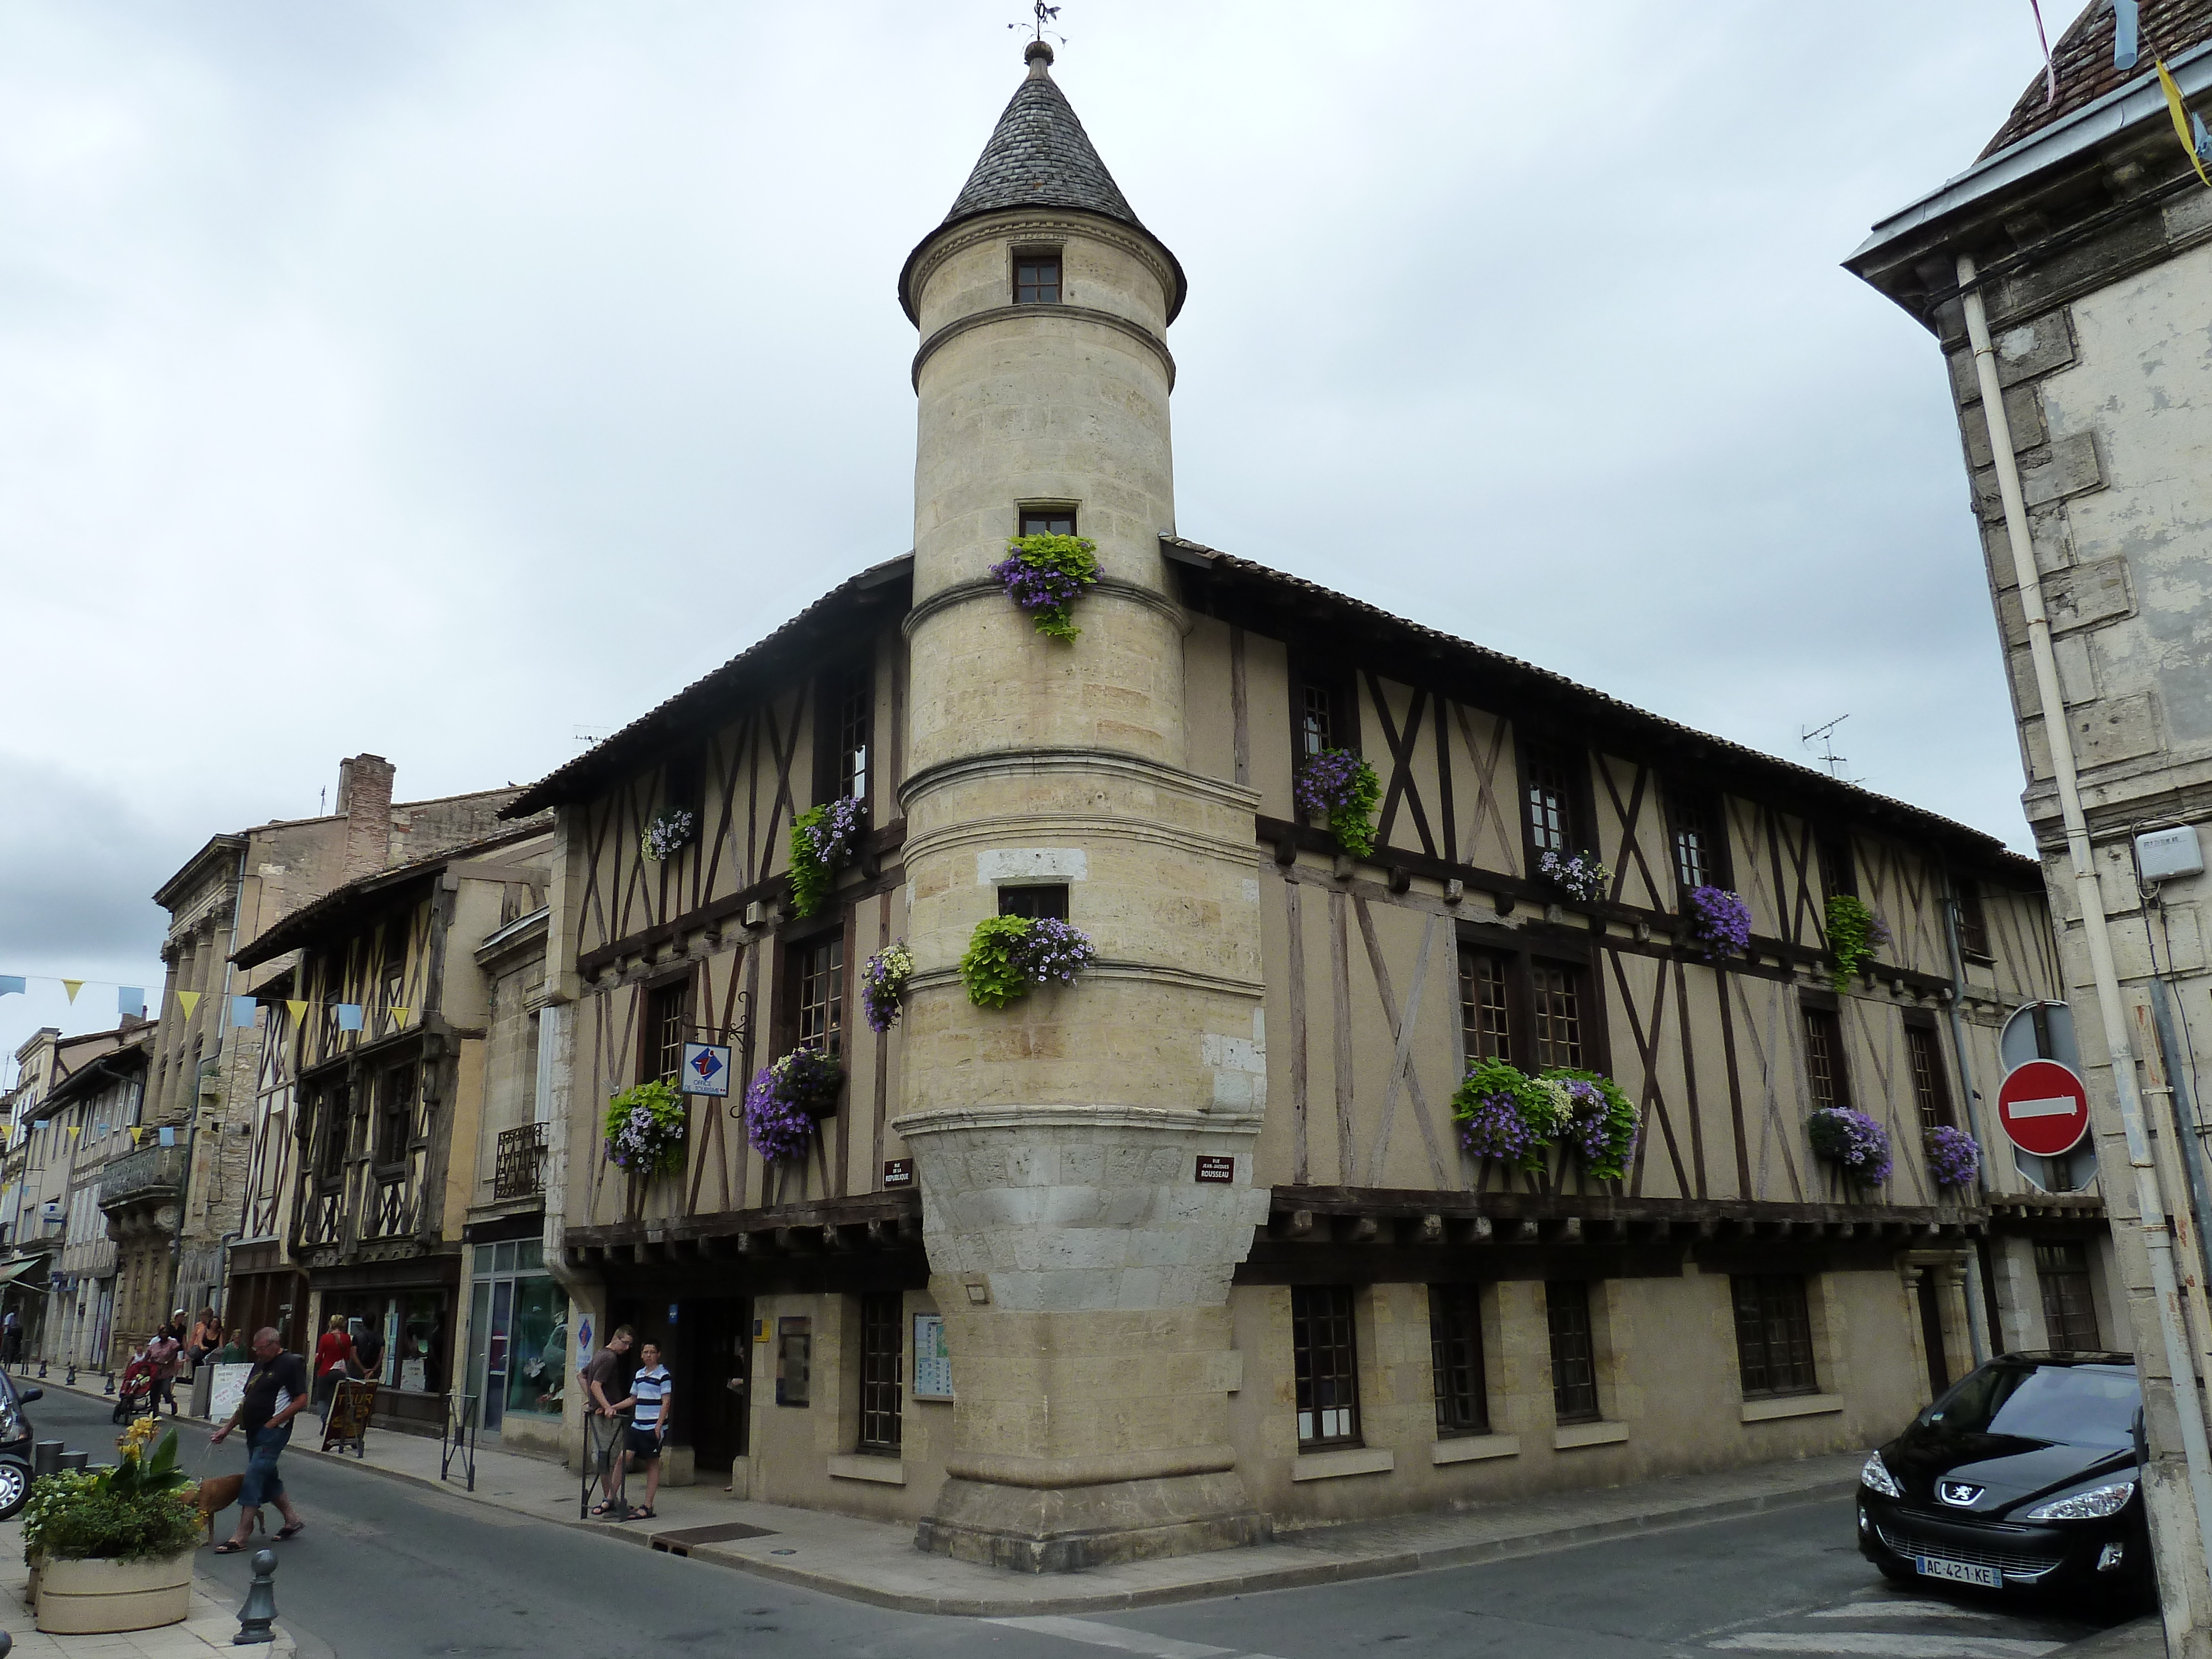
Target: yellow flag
{"type": "Point", "coordinates": [398, 1016]}
{"type": "Point", "coordinates": [75, 1129]}
{"type": "Point", "coordinates": [72, 985]}
{"type": "Point", "coordinates": [299, 1008]}
{"type": "Point", "coordinates": [2180, 114]}
{"type": "Point", "coordinates": [191, 1000]}
{"type": "Point", "coordinates": [136, 1131]}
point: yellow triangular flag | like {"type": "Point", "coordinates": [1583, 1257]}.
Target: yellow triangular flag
{"type": "Point", "coordinates": [2180, 114]}
{"type": "Point", "coordinates": [299, 1008]}
{"type": "Point", "coordinates": [72, 985]}
{"type": "Point", "coordinates": [75, 1129]}
{"type": "Point", "coordinates": [191, 1000]}
{"type": "Point", "coordinates": [399, 1016]}
{"type": "Point", "coordinates": [136, 1131]}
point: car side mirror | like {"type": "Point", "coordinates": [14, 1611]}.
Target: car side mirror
{"type": "Point", "coordinates": [25, 1396]}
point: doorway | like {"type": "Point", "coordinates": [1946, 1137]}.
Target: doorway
{"type": "Point", "coordinates": [1931, 1332]}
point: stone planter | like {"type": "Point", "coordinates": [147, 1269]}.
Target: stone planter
{"type": "Point", "coordinates": [86, 1598]}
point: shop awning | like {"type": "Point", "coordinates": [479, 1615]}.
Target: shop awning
{"type": "Point", "coordinates": [12, 1271]}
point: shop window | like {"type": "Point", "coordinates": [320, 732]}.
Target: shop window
{"type": "Point", "coordinates": [395, 1114]}
{"type": "Point", "coordinates": [1326, 1363]}
{"type": "Point", "coordinates": [1824, 1077]}
{"type": "Point", "coordinates": [1456, 1356]}
{"type": "Point", "coordinates": [1773, 1334]}
{"type": "Point", "coordinates": [882, 1364]}
{"type": "Point", "coordinates": [1484, 1010]}
{"type": "Point", "coordinates": [667, 1026]}
{"type": "Point", "coordinates": [1036, 280]}
{"type": "Point", "coordinates": [817, 968]}
{"type": "Point", "coordinates": [794, 1360]}
{"type": "Point", "coordinates": [1925, 1054]}
{"type": "Point", "coordinates": [1040, 902]}
{"type": "Point", "coordinates": [1574, 1351]}
{"type": "Point", "coordinates": [1973, 922]}
{"type": "Point", "coordinates": [518, 1334]}
{"type": "Point", "coordinates": [2070, 1311]}
{"type": "Point", "coordinates": [1699, 842]}
{"type": "Point", "coordinates": [1550, 797]}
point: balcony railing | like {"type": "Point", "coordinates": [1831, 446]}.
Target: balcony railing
{"type": "Point", "coordinates": [151, 1172]}
{"type": "Point", "coordinates": [520, 1169]}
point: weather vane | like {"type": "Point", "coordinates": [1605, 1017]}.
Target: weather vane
{"type": "Point", "coordinates": [1044, 14]}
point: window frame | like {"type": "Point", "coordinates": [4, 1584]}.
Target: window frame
{"type": "Point", "coordinates": [1924, 1063]}
{"type": "Point", "coordinates": [1833, 853]}
{"type": "Point", "coordinates": [1536, 749]}
{"type": "Point", "coordinates": [835, 688]}
{"type": "Point", "coordinates": [2051, 1279]}
{"type": "Point", "coordinates": [1461, 1380]}
{"type": "Point", "coordinates": [1973, 922]}
{"type": "Point", "coordinates": [1523, 953]}
{"type": "Point", "coordinates": [1768, 1298]}
{"type": "Point", "coordinates": [797, 967]}
{"type": "Point", "coordinates": [1691, 806]}
{"type": "Point", "coordinates": [1035, 899]}
{"type": "Point", "coordinates": [881, 1374]}
{"type": "Point", "coordinates": [1050, 514]}
{"type": "Point", "coordinates": [390, 1079]}
{"type": "Point", "coordinates": [654, 1017]}
{"type": "Point", "coordinates": [1818, 1013]}
{"type": "Point", "coordinates": [1559, 1311]}
{"type": "Point", "coordinates": [1339, 1309]}
{"type": "Point", "coordinates": [1056, 257]}
{"type": "Point", "coordinates": [1339, 684]}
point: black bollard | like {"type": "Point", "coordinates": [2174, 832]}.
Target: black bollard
{"type": "Point", "coordinates": [42, 1371]}
{"type": "Point", "coordinates": [7, 1643]}
{"type": "Point", "coordinates": [46, 1457]}
{"type": "Point", "coordinates": [75, 1462]}
{"type": "Point", "coordinates": [107, 1387]}
{"type": "Point", "coordinates": [260, 1609]}
{"type": "Point", "coordinates": [69, 1377]}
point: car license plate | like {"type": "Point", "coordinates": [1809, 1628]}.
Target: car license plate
{"type": "Point", "coordinates": [1959, 1572]}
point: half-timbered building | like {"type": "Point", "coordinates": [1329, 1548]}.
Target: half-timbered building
{"type": "Point", "coordinates": [1192, 1245]}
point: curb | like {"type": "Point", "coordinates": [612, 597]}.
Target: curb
{"type": "Point", "coordinates": [1324, 1570]}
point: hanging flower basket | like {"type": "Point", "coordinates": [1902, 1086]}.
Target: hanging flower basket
{"type": "Point", "coordinates": [1721, 922]}
{"type": "Point", "coordinates": [1854, 933]}
{"type": "Point", "coordinates": [645, 1129]}
{"type": "Point", "coordinates": [1853, 1142]}
{"type": "Point", "coordinates": [821, 839]}
{"type": "Point", "coordinates": [1582, 876]}
{"type": "Point", "coordinates": [1007, 955]}
{"type": "Point", "coordinates": [668, 834]}
{"type": "Point", "coordinates": [786, 1098]}
{"type": "Point", "coordinates": [1953, 1158]}
{"type": "Point", "coordinates": [1045, 575]}
{"type": "Point", "coordinates": [1338, 782]}
{"type": "Point", "coordinates": [1506, 1114]}
{"type": "Point", "coordinates": [883, 986]}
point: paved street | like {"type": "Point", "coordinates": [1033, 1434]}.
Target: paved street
{"type": "Point", "coordinates": [386, 1570]}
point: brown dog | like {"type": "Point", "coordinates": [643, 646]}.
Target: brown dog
{"type": "Point", "coordinates": [216, 1494]}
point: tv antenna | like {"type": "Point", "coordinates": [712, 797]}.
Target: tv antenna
{"type": "Point", "coordinates": [1044, 14]}
{"type": "Point", "coordinates": [1825, 737]}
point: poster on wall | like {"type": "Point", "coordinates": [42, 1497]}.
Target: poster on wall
{"type": "Point", "coordinates": [226, 1391]}
{"type": "Point", "coordinates": [933, 1365]}
{"type": "Point", "coordinates": [415, 1375]}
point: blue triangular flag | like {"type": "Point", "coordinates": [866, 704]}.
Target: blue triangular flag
{"type": "Point", "coordinates": [2126, 45]}
{"type": "Point", "coordinates": [130, 1001]}
{"type": "Point", "coordinates": [242, 1011]}
{"type": "Point", "coordinates": [168, 1137]}
{"type": "Point", "coordinates": [13, 982]}
{"type": "Point", "coordinates": [349, 1016]}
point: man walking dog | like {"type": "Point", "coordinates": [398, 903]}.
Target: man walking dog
{"type": "Point", "coordinates": [275, 1393]}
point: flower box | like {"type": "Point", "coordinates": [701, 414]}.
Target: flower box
{"type": "Point", "coordinates": [94, 1597]}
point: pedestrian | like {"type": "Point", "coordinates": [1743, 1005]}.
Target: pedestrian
{"type": "Point", "coordinates": [162, 1351]}
{"type": "Point", "coordinates": [11, 1338]}
{"type": "Point", "coordinates": [368, 1353]}
{"type": "Point", "coordinates": [233, 1352]}
{"type": "Point", "coordinates": [332, 1350]}
{"type": "Point", "coordinates": [275, 1392]}
{"type": "Point", "coordinates": [206, 1337]}
{"type": "Point", "coordinates": [601, 1380]}
{"type": "Point", "coordinates": [649, 1392]}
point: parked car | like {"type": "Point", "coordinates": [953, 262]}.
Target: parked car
{"type": "Point", "coordinates": [15, 1445]}
{"type": "Point", "coordinates": [2021, 1478]}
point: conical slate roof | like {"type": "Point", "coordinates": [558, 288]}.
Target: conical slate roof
{"type": "Point", "coordinates": [1039, 155]}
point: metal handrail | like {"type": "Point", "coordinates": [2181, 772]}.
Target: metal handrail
{"type": "Point", "coordinates": [603, 1450]}
{"type": "Point", "coordinates": [457, 1440]}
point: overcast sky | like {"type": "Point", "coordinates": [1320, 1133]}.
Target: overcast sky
{"type": "Point", "coordinates": [438, 379]}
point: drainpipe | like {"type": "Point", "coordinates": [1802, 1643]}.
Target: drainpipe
{"type": "Point", "coordinates": [1978, 1318]}
{"type": "Point", "coordinates": [2150, 1201]}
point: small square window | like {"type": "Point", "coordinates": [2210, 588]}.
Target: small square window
{"type": "Point", "coordinates": [1037, 279]}
{"type": "Point", "coordinates": [1047, 521]}
{"type": "Point", "coordinates": [1041, 902]}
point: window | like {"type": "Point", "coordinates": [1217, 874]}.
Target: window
{"type": "Point", "coordinates": [1552, 827]}
{"type": "Point", "coordinates": [1483, 1010]}
{"type": "Point", "coordinates": [1773, 1334]}
{"type": "Point", "coordinates": [2070, 1311]}
{"type": "Point", "coordinates": [794, 1360]}
{"type": "Point", "coordinates": [1047, 521]}
{"type": "Point", "coordinates": [848, 706]}
{"type": "Point", "coordinates": [1456, 1351]}
{"type": "Point", "coordinates": [1317, 730]}
{"type": "Point", "coordinates": [394, 975]}
{"type": "Point", "coordinates": [395, 1114]}
{"type": "Point", "coordinates": [882, 1359]}
{"type": "Point", "coordinates": [1973, 923]}
{"type": "Point", "coordinates": [1700, 842]}
{"type": "Point", "coordinates": [820, 973]}
{"type": "Point", "coordinates": [1824, 1059]}
{"type": "Point", "coordinates": [1928, 1090]}
{"type": "Point", "coordinates": [1838, 873]}
{"type": "Point", "coordinates": [336, 1116]}
{"type": "Point", "coordinates": [1326, 1365]}
{"type": "Point", "coordinates": [1037, 903]}
{"type": "Point", "coordinates": [1321, 714]}
{"type": "Point", "coordinates": [680, 790]}
{"type": "Point", "coordinates": [1574, 1354]}
{"type": "Point", "coordinates": [667, 1025]}
{"type": "Point", "coordinates": [1556, 1003]}
{"type": "Point", "coordinates": [1037, 279]}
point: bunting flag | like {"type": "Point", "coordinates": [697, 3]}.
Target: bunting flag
{"type": "Point", "coordinates": [2050, 69]}
{"type": "Point", "coordinates": [168, 1136]}
{"type": "Point", "coordinates": [398, 1016]}
{"type": "Point", "coordinates": [188, 1000]}
{"type": "Point", "coordinates": [349, 1016]}
{"type": "Point", "coordinates": [130, 1001]}
{"type": "Point", "coordinates": [72, 985]}
{"type": "Point", "coordinates": [136, 1131]}
{"type": "Point", "coordinates": [75, 1129]}
{"type": "Point", "coordinates": [14, 983]}
{"type": "Point", "coordinates": [41, 1122]}
{"type": "Point", "coordinates": [2127, 39]}
{"type": "Point", "coordinates": [242, 1011]}
{"type": "Point", "coordinates": [299, 1008]}
{"type": "Point", "coordinates": [2181, 119]}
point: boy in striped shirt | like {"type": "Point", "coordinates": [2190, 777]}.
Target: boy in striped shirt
{"type": "Point", "coordinates": [649, 1391]}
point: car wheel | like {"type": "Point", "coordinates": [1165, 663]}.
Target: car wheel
{"type": "Point", "coordinates": [14, 1487]}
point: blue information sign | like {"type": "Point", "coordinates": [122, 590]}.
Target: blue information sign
{"type": "Point", "coordinates": [705, 1069]}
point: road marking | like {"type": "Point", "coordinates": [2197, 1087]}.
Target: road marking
{"type": "Point", "coordinates": [1886, 1645]}
{"type": "Point", "coordinates": [1127, 1641]}
{"type": "Point", "coordinates": [1900, 1610]}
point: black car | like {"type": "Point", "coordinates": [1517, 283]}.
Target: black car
{"type": "Point", "coordinates": [15, 1445]}
{"type": "Point", "coordinates": [2023, 1477]}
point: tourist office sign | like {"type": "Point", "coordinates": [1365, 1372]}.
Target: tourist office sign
{"type": "Point", "coordinates": [2043, 1106]}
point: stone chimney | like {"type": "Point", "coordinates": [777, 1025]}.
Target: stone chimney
{"type": "Point", "coordinates": [365, 803]}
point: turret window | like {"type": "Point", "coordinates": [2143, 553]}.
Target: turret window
{"type": "Point", "coordinates": [1047, 521]}
{"type": "Point", "coordinates": [1037, 279]}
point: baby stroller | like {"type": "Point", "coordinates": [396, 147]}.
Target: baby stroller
{"type": "Point", "coordinates": [135, 1389]}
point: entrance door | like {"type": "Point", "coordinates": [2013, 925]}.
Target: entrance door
{"type": "Point", "coordinates": [719, 1352]}
{"type": "Point", "coordinates": [1931, 1333]}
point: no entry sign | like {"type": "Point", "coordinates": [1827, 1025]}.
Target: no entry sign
{"type": "Point", "coordinates": [2043, 1108]}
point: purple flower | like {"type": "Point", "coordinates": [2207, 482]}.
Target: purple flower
{"type": "Point", "coordinates": [883, 986]}
{"type": "Point", "coordinates": [1326, 781]}
{"type": "Point", "coordinates": [1854, 1141]}
{"type": "Point", "coordinates": [785, 1097]}
{"type": "Point", "coordinates": [1035, 588]}
{"type": "Point", "coordinates": [1496, 1128]}
{"type": "Point", "coordinates": [1953, 1158]}
{"type": "Point", "coordinates": [1722, 922]}
{"type": "Point", "coordinates": [1053, 949]}
{"type": "Point", "coordinates": [832, 836]}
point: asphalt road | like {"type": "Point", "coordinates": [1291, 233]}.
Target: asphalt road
{"type": "Point", "coordinates": [388, 1571]}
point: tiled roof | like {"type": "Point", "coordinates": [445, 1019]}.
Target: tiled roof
{"type": "Point", "coordinates": [2083, 57]}
{"type": "Point", "coordinates": [1040, 156]}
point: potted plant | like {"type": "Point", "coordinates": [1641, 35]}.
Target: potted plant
{"type": "Point", "coordinates": [1584, 876]}
{"type": "Point", "coordinates": [1853, 1142]}
{"type": "Point", "coordinates": [646, 1128]}
{"type": "Point", "coordinates": [785, 1097]}
{"type": "Point", "coordinates": [668, 834]}
{"type": "Point", "coordinates": [1505, 1113]}
{"type": "Point", "coordinates": [1721, 922]}
{"type": "Point", "coordinates": [1854, 931]}
{"type": "Point", "coordinates": [1045, 575]}
{"type": "Point", "coordinates": [1338, 785]}
{"type": "Point", "coordinates": [883, 986]}
{"type": "Point", "coordinates": [1953, 1158]}
{"type": "Point", "coordinates": [111, 1549]}
{"type": "Point", "coordinates": [822, 839]}
{"type": "Point", "coordinates": [1008, 955]}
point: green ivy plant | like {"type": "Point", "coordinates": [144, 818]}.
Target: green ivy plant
{"type": "Point", "coordinates": [1045, 575]}
{"type": "Point", "coordinates": [988, 968]}
{"type": "Point", "coordinates": [1853, 931]}
{"type": "Point", "coordinates": [811, 879]}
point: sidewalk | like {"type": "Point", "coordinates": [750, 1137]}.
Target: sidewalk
{"type": "Point", "coordinates": [207, 1629]}
{"type": "Point", "coordinates": [876, 1561]}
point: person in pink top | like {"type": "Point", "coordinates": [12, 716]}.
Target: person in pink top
{"type": "Point", "coordinates": [161, 1353]}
